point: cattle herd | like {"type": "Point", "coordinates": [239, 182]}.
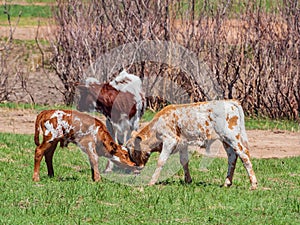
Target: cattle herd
{"type": "Point", "coordinates": [173, 129]}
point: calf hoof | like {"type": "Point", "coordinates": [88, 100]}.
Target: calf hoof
{"type": "Point", "coordinates": [107, 171]}
{"type": "Point", "coordinates": [253, 187]}
{"type": "Point", "coordinates": [227, 183]}
{"type": "Point", "coordinates": [36, 179]}
{"type": "Point", "coordinates": [97, 179]}
{"type": "Point", "coordinates": [188, 181]}
{"type": "Point", "coordinates": [151, 183]}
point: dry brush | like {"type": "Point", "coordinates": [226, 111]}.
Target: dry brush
{"type": "Point", "coordinates": [245, 51]}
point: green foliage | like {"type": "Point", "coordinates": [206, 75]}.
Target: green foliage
{"type": "Point", "coordinates": [72, 198]}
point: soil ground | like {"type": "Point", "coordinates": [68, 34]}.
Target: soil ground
{"type": "Point", "coordinates": [263, 143]}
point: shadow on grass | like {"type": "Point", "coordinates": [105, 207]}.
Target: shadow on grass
{"type": "Point", "coordinates": [66, 179]}
{"type": "Point", "coordinates": [182, 183]}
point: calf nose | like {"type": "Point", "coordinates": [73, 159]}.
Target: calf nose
{"type": "Point", "coordinates": [140, 167]}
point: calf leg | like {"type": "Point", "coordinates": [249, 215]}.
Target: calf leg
{"type": "Point", "coordinates": [167, 149]}
{"type": "Point", "coordinates": [184, 160]}
{"type": "Point", "coordinates": [49, 158]}
{"type": "Point", "coordinates": [242, 151]}
{"type": "Point", "coordinates": [109, 166]}
{"type": "Point", "coordinates": [160, 163]}
{"type": "Point", "coordinates": [232, 158]}
{"type": "Point", "coordinates": [39, 153]}
{"type": "Point", "coordinates": [90, 150]}
{"type": "Point", "coordinates": [245, 157]}
{"type": "Point", "coordinates": [94, 168]}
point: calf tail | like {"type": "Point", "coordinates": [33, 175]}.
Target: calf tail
{"type": "Point", "coordinates": [244, 137]}
{"type": "Point", "coordinates": [37, 130]}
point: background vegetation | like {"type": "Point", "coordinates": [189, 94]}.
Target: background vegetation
{"type": "Point", "coordinates": [250, 48]}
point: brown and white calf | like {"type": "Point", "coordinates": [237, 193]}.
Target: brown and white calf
{"type": "Point", "coordinates": [176, 126]}
{"type": "Point", "coordinates": [121, 100]}
{"type": "Point", "coordinates": [85, 131]}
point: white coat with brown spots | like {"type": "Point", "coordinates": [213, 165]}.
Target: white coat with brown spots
{"type": "Point", "coordinates": [177, 126]}
{"type": "Point", "coordinates": [85, 131]}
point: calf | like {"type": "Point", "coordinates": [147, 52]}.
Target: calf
{"type": "Point", "coordinates": [121, 101]}
{"type": "Point", "coordinates": [176, 126]}
{"type": "Point", "coordinates": [87, 132]}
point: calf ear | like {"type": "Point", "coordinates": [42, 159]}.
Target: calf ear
{"type": "Point", "coordinates": [137, 142]}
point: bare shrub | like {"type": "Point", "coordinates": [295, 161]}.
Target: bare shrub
{"type": "Point", "coordinates": [10, 73]}
{"type": "Point", "coordinates": [251, 50]}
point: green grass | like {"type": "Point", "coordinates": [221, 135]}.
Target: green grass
{"type": "Point", "coordinates": [26, 11]}
{"type": "Point", "coordinates": [41, 1]}
{"type": "Point", "coordinates": [269, 124]}
{"type": "Point", "coordinates": [234, 7]}
{"type": "Point", "coordinates": [13, 105]}
{"type": "Point", "coordinates": [148, 116]}
{"type": "Point", "coordinates": [30, 14]}
{"type": "Point", "coordinates": [72, 198]}
{"type": "Point", "coordinates": [16, 2]}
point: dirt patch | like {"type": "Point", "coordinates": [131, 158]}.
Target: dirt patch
{"type": "Point", "coordinates": [268, 144]}
{"type": "Point", "coordinates": [263, 144]}
{"type": "Point", "coordinates": [17, 121]}
{"type": "Point", "coordinates": [28, 32]}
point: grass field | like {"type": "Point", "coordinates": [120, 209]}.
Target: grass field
{"type": "Point", "coordinates": [72, 198]}
{"type": "Point", "coordinates": [29, 14]}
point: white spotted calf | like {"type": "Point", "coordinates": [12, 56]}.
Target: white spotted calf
{"type": "Point", "coordinates": [176, 126]}
{"type": "Point", "coordinates": [85, 131]}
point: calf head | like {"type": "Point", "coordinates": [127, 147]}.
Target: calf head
{"type": "Point", "coordinates": [140, 149]}
{"type": "Point", "coordinates": [88, 97]}
{"type": "Point", "coordinates": [121, 157]}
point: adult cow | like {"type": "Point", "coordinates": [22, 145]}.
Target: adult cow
{"type": "Point", "coordinates": [176, 126]}
{"type": "Point", "coordinates": [121, 100]}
